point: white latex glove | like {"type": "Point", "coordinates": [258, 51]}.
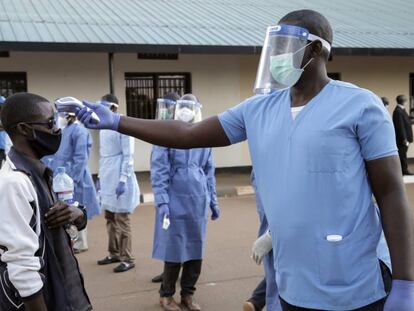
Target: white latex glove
{"type": "Point", "coordinates": [261, 247]}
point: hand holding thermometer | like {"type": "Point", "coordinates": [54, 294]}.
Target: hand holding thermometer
{"type": "Point", "coordinates": [71, 104]}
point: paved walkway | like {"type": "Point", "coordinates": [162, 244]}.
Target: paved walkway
{"type": "Point", "coordinates": [228, 276]}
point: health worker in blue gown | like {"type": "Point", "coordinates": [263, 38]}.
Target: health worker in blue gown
{"type": "Point", "coordinates": [73, 154]}
{"type": "Point", "coordinates": [184, 186]}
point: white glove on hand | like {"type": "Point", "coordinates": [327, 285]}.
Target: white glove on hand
{"type": "Point", "coordinates": [261, 247]}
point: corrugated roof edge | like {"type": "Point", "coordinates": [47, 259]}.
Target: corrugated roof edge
{"type": "Point", "coordinates": [183, 49]}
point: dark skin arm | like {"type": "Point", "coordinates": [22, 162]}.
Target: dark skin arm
{"type": "Point", "coordinates": [396, 214]}
{"type": "Point", "coordinates": [36, 304]}
{"type": "Point", "coordinates": [176, 134]}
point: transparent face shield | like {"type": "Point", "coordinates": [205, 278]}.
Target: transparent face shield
{"type": "Point", "coordinates": [165, 109]}
{"type": "Point", "coordinates": [187, 110]}
{"type": "Point", "coordinates": [281, 61]}
{"type": "Point", "coordinates": [62, 119]}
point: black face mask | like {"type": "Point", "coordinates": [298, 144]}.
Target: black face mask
{"type": "Point", "coordinates": [45, 143]}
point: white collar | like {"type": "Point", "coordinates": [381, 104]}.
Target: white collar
{"type": "Point", "coordinates": [401, 106]}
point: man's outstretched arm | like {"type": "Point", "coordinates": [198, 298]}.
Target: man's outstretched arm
{"type": "Point", "coordinates": [174, 134]}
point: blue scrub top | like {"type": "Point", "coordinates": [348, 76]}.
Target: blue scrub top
{"type": "Point", "coordinates": [313, 183]}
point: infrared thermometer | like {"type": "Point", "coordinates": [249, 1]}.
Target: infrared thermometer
{"type": "Point", "coordinates": [71, 104]}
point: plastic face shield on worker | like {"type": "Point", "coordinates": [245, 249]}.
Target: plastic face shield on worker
{"type": "Point", "coordinates": [62, 121]}
{"type": "Point", "coordinates": [188, 111]}
{"type": "Point", "coordinates": [165, 109]}
{"type": "Point", "coordinates": [281, 61]}
{"type": "Point", "coordinates": [183, 110]}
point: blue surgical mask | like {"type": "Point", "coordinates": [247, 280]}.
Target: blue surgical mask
{"type": "Point", "coordinates": [283, 71]}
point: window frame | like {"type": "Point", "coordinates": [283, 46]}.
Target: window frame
{"type": "Point", "coordinates": [13, 76]}
{"type": "Point", "coordinates": [155, 87]}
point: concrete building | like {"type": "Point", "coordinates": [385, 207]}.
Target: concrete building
{"type": "Point", "coordinates": [141, 49]}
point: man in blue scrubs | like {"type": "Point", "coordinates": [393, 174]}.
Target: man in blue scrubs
{"type": "Point", "coordinates": [320, 150]}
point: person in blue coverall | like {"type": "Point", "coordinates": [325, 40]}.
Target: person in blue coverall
{"type": "Point", "coordinates": [316, 173]}
{"type": "Point", "coordinates": [73, 154]}
{"type": "Point", "coordinates": [184, 187]}
{"type": "Point", "coordinates": [119, 191]}
{"type": "Point", "coordinates": [266, 293]}
{"type": "Point", "coordinates": [165, 111]}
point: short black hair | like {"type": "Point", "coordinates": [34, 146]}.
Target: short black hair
{"type": "Point", "coordinates": [313, 21]}
{"type": "Point", "coordinates": [399, 99]}
{"type": "Point", "coordinates": [20, 107]}
{"type": "Point", "coordinates": [111, 98]}
{"type": "Point", "coordinates": [171, 96]}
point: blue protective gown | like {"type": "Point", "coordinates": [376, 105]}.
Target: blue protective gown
{"type": "Point", "coordinates": [117, 163]}
{"type": "Point", "coordinates": [73, 154]}
{"type": "Point", "coordinates": [313, 183]}
{"type": "Point", "coordinates": [272, 293]}
{"type": "Point", "coordinates": [183, 179]}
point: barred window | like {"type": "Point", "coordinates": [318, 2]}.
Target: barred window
{"type": "Point", "coordinates": [12, 82]}
{"type": "Point", "coordinates": [143, 89]}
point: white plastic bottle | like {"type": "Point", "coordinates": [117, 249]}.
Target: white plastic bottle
{"type": "Point", "coordinates": [64, 189]}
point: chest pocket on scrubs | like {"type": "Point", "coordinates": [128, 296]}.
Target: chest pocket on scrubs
{"type": "Point", "coordinates": [327, 151]}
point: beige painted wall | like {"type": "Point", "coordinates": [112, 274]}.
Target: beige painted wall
{"type": "Point", "coordinates": [215, 80]}
{"type": "Point", "coordinates": [219, 81]}
{"type": "Point", "coordinates": [53, 75]}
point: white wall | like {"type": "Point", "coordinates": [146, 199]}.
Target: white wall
{"type": "Point", "coordinates": [215, 81]}
{"type": "Point", "coordinates": [219, 82]}
{"type": "Point", "coordinates": [53, 75]}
